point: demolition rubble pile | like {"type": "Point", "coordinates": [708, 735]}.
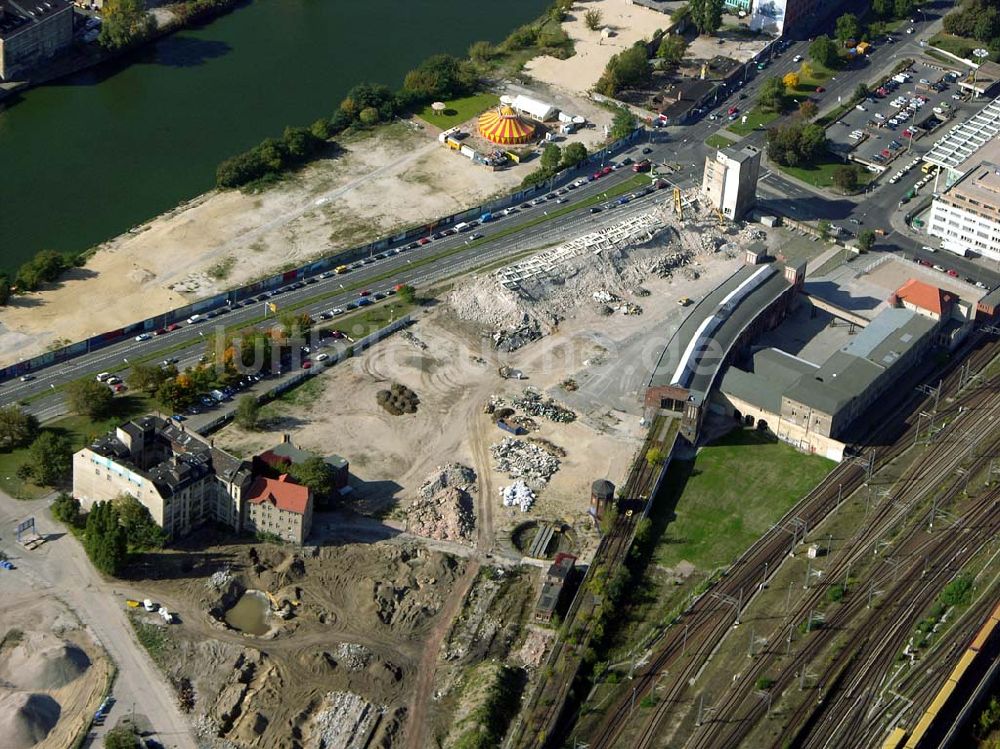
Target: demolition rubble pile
{"type": "Point", "coordinates": [517, 495]}
{"type": "Point", "coordinates": [606, 269]}
{"type": "Point", "coordinates": [353, 656]}
{"type": "Point", "coordinates": [526, 461]}
{"type": "Point", "coordinates": [346, 720]}
{"type": "Point", "coordinates": [533, 404]}
{"type": "Point", "coordinates": [443, 509]}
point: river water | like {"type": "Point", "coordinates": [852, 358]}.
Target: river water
{"type": "Point", "coordinates": [84, 159]}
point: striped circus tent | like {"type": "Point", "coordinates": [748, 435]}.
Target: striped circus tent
{"type": "Point", "coordinates": [503, 127]}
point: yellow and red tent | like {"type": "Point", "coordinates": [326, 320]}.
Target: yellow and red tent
{"type": "Point", "coordinates": [504, 127]}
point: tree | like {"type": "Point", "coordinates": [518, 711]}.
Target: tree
{"type": "Point", "coordinates": [4, 290]}
{"type": "Point", "coordinates": [861, 92]}
{"type": "Point", "coordinates": [126, 22]}
{"type": "Point", "coordinates": [593, 19]}
{"type": "Point", "coordinates": [848, 27]}
{"type": "Point", "coordinates": [147, 377]}
{"type": "Point", "coordinates": [551, 157]}
{"type": "Point", "coordinates": [121, 737]}
{"type": "Point", "coordinates": [866, 240]}
{"type": "Point", "coordinates": [574, 154]}
{"type": "Point", "coordinates": [482, 52]}
{"type": "Point", "coordinates": [89, 398]}
{"type": "Point", "coordinates": [706, 15]}
{"type": "Point", "coordinates": [628, 69]}
{"type": "Point", "coordinates": [824, 229]}
{"type": "Point", "coordinates": [846, 178]}
{"type": "Point", "coordinates": [655, 456]}
{"type": "Point", "coordinates": [17, 427]}
{"type": "Point", "coordinates": [807, 109]}
{"type": "Point", "coordinates": [824, 51]}
{"type": "Point", "coordinates": [105, 540]}
{"type": "Point", "coordinates": [623, 124]}
{"type": "Point", "coordinates": [772, 94]}
{"type": "Point", "coordinates": [315, 473]}
{"type": "Point", "coordinates": [248, 412]}
{"type": "Point", "coordinates": [904, 8]}
{"type": "Point", "coordinates": [438, 77]}
{"type": "Point", "coordinates": [66, 509]}
{"type": "Point", "coordinates": [796, 144]}
{"type": "Point", "coordinates": [141, 532]}
{"type": "Point", "coordinates": [368, 116]}
{"type": "Point", "coordinates": [883, 8]}
{"type": "Point", "coordinates": [672, 48]}
{"type": "Point", "coordinates": [50, 458]}
{"type": "Point", "coordinates": [407, 294]}
{"type": "Point", "coordinates": [791, 80]}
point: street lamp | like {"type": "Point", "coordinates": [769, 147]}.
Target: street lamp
{"type": "Point", "coordinates": [979, 54]}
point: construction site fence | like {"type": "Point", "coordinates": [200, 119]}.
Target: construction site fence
{"type": "Point", "coordinates": [313, 268]}
{"type": "Point", "coordinates": [336, 357]}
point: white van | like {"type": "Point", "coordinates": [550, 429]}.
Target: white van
{"type": "Point", "coordinates": [462, 226]}
{"type": "Point", "coordinates": [103, 376]}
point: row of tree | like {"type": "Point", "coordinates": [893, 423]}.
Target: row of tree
{"type": "Point", "coordinates": [111, 530]}
{"type": "Point", "coordinates": [555, 159]}
{"type": "Point", "coordinates": [979, 20]}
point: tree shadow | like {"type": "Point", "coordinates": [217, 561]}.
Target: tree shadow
{"type": "Point", "coordinates": [182, 51]}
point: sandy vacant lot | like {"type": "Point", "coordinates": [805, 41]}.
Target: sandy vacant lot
{"type": "Point", "coordinates": [630, 23]}
{"type": "Point", "coordinates": [52, 671]}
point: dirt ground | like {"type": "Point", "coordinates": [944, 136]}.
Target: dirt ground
{"type": "Point", "coordinates": [629, 22]}
{"type": "Point", "coordinates": [344, 660]}
{"type": "Point", "coordinates": [53, 672]}
{"type": "Point", "coordinates": [454, 377]}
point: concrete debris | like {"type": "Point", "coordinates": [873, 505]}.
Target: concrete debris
{"type": "Point", "coordinates": [532, 403]}
{"type": "Point", "coordinates": [523, 460]}
{"type": "Point", "coordinates": [627, 308]}
{"type": "Point", "coordinates": [353, 656]}
{"type": "Point", "coordinates": [511, 339]}
{"type": "Point", "coordinates": [220, 579]}
{"type": "Point", "coordinates": [410, 338]}
{"type": "Point", "coordinates": [517, 495]}
{"type": "Point", "coordinates": [346, 721]}
{"type": "Point", "coordinates": [452, 474]}
{"type": "Point", "coordinates": [447, 516]}
{"type": "Point", "coordinates": [604, 296]}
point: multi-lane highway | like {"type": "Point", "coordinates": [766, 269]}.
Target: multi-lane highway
{"type": "Point", "coordinates": [682, 146]}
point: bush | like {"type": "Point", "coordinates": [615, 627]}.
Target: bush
{"type": "Point", "coordinates": [958, 592]}
{"type": "Point", "coordinates": [628, 69]}
{"type": "Point", "coordinates": [764, 682]}
{"type": "Point", "coordinates": [593, 19]}
{"type": "Point", "coordinates": [66, 509]}
{"type": "Point", "coordinates": [45, 266]}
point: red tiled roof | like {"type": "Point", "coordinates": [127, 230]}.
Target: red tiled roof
{"type": "Point", "coordinates": [282, 492]}
{"type": "Point", "coordinates": [925, 296]}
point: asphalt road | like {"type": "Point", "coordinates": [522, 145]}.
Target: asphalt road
{"type": "Point", "coordinates": [60, 568]}
{"type": "Point", "coordinates": [680, 146]}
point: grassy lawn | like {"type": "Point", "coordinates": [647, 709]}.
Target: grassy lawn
{"type": "Point", "coordinates": [957, 45]}
{"type": "Point", "coordinates": [80, 431]}
{"type": "Point", "coordinates": [459, 110]}
{"type": "Point", "coordinates": [756, 118]}
{"type": "Point", "coordinates": [719, 141]}
{"type": "Point", "coordinates": [359, 324]}
{"type": "Point", "coordinates": [821, 174]}
{"type": "Point", "coordinates": [717, 517]}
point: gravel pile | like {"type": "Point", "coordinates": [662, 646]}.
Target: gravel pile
{"type": "Point", "coordinates": [220, 579]}
{"type": "Point", "coordinates": [523, 460]}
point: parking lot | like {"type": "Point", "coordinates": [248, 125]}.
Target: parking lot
{"type": "Point", "coordinates": [880, 132]}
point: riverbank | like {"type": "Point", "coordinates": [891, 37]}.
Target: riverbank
{"type": "Point", "coordinates": [169, 19]}
{"type": "Point", "coordinates": [389, 178]}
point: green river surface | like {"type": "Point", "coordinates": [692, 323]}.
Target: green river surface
{"type": "Point", "coordinates": [89, 156]}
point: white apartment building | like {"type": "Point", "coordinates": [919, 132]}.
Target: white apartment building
{"type": "Point", "coordinates": [730, 180]}
{"type": "Point", "coordinates": [966, 217]}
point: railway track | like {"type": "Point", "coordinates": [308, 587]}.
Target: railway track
{"type": "Point", "coordinates": [911, 585]}
{"type": "Point", "coordinates": [711, 616]}
{"type": "Point", "coordinates": [639, 486]}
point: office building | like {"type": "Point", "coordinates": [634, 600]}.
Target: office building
{"type": "Point", "coordinates": [32, 32]}
{"type": "Point", "coordinates": [730, 180]}
{"type": "Point", "coordinates": [966, 216]}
